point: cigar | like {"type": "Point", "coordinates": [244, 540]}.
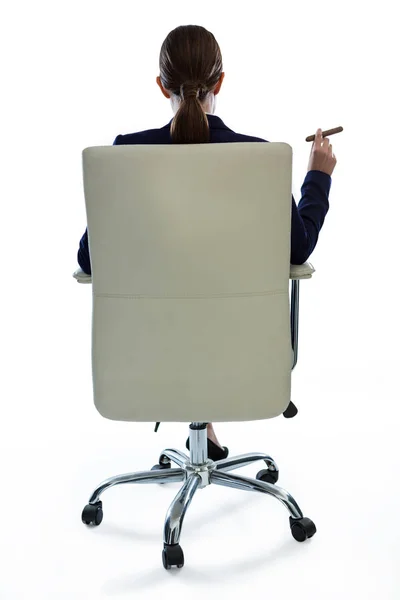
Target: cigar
{"type": "Point", "coordinates": [311, 138]}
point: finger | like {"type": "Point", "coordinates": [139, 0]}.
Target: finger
{"type": "Point", "coordinates": [318, 138]}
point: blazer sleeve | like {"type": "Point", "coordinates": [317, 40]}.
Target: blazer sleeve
{"type": "Point", "coordinates": [83, 251]}
{"type": "Point", "coordinates": [308, 217]}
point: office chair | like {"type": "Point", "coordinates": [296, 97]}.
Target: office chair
{"type": "Point", "coordinates": [191, 319]}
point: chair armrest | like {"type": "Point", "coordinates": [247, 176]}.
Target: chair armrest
{"type": "Point", "coordinates": [82, 277]}
{"type": "Point", "coordinates": [303, 271]}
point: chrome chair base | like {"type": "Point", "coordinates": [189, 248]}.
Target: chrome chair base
{"type": "Point", "coordinates": [197, 471]}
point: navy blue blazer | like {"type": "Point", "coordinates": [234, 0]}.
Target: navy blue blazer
{"type": "Point", "coordinates": [307, 218]}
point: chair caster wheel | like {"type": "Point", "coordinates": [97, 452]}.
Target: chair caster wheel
{"type": "Point", "coordinates": [268, 476]}
{"type": "Point", "coordinates": [93, 513]}
{"type": "Point", "coordinates": [162, 466]}
{"type": "Point", "coordinates": [302, 529]}
{"type": "Point", "coordinates": [172, 556]}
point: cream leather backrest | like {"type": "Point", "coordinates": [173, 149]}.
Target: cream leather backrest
{"type": "Point", "coordinates": [190, 252]}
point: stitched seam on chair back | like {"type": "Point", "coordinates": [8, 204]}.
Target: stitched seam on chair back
{"type": "Point", "coordinates": [194, 297]}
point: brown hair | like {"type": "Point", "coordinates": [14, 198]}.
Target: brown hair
{"type": "Point", "coordinates": [190, 67]}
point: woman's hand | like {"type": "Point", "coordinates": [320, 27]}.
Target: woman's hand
{"type": "Point", "coordinates": [321, 157]}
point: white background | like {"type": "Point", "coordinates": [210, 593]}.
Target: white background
{"type": "Point", "coordinates": [76, 74]}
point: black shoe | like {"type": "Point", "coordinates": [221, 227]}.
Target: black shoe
{"type": "Point", "coordinates": [291, 411]}
{"type": "Point", "coordinates": [214, 451]}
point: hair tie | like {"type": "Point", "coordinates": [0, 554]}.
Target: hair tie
{"type": "Point", "coordinates": [190, 90]}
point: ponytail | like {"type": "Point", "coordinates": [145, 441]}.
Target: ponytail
{"type": "Point", "coordinates": [190, 124]}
